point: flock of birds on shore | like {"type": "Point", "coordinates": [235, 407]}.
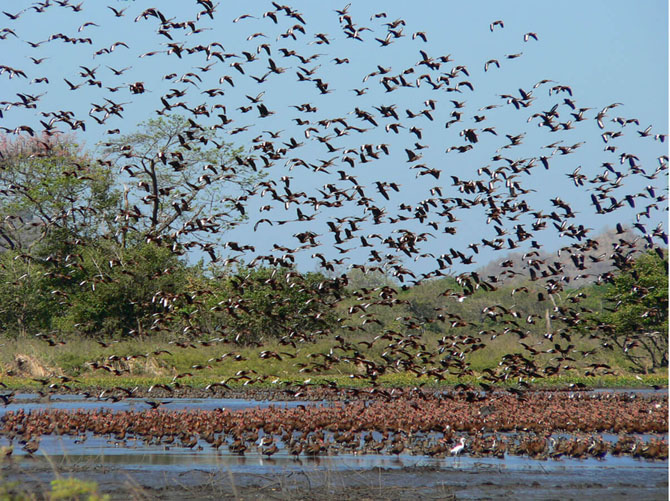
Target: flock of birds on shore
{"type": "Point", "coordinates": [550, 425]}
{"type": "Point", "coordinates": [346, 206]}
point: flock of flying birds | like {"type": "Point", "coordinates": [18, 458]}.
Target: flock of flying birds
{"type": "Point", "coordinates": [365, 134]}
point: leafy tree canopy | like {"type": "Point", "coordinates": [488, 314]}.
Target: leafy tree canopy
{"type": "Point", "coordinates": [638, 324]}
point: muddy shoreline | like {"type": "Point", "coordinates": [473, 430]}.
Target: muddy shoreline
{"type": "Point", "coordinates": [484, 481]}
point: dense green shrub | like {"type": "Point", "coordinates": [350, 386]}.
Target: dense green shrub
{"type": "Point", "coordinates": [637, 323]}
{"type": "Point", "coordinates": [263, 303]}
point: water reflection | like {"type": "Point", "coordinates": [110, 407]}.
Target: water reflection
{"type": "Point", "coordinates": [179, 461]}
{"type": "Point", "coordinates": [136, 453]}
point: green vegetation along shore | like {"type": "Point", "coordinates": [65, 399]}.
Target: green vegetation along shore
{"type": "Point", "coordinates": [77, 364]}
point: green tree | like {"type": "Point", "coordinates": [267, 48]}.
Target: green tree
{"type": "Point", "coordinates": [264, 303]}
{"type": "Point", "coordinates": [52, 191]}
{"type": "Point", "coordinates": [26, 304]}
{"type": "Point", "coordinates": [117, 291]}
{"type": "Point", "coordinates": [638, 322]}
{"type": "Point", "coordinates": [182, 183]}
{"type": "Point", "coordinates": [55, 199]}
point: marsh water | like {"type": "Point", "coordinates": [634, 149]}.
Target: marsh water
{"type": "Point", "coordinates": [151, 465]}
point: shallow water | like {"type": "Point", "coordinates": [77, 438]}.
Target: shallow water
{"type": "Point", "coordinates": [32, 402]}
{"type": "Point", "coordinates": [102, 452]}
{"type": "Point", "coordinates": [133, 453]}
{"type": "Point", "coordinates": [176, 472]}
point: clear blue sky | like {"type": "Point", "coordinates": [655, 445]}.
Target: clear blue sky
{"type": "Point", "coordinates": [605, 51]}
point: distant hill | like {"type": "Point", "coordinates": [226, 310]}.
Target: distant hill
{"type": "Point", "coordinates": [578, 266]}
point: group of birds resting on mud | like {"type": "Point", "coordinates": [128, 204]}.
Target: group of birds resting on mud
{"type": "Point", "coordinates": [550, 425]}
{"type": "Point", "coordinates": [364, 135]}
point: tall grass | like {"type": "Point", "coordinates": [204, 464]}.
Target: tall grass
{"type": "Point", "coordinates": [200, 365]}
